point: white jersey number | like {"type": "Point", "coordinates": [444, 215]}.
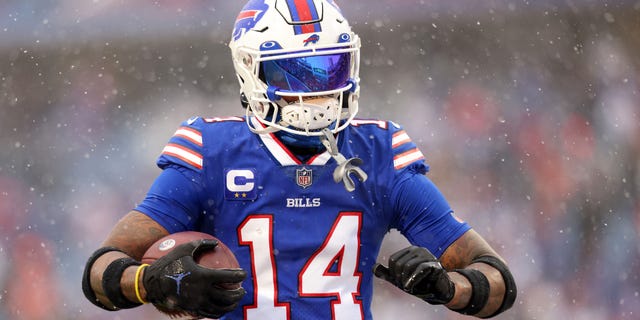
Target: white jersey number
{"type": "Point", "coordinates": [332, 271]}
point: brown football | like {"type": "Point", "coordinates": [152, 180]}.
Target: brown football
{"type": "Point", "coordinates": [221, 257]}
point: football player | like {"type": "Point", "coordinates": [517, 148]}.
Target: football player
{"type": "Point", "coordinates": [300, 190]}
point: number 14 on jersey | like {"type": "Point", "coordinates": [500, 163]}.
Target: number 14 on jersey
{"type": "Point", "coordinates": [332, 271]}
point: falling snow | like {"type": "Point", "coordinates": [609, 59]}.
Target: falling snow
{"type": "Point", "coordinates": [527, 113]}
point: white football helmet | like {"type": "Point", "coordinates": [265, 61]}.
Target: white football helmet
{"type": "Point", "coordinates": [298, 66]}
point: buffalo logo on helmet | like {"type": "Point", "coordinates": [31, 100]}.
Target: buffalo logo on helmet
{"type": "Point", "coordinates": [248, 17]}
{"type": "Point", "coordinates": [314, 38]}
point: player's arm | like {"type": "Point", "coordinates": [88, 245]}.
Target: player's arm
{"type": "Point", "coordinates": [469, 277]}
{"type": "Point", "coordinates": [129, 239]}
{"type": "Point", "coordinates": [114, 278]}
{"type": "Point", "coordinates": [469, 261]}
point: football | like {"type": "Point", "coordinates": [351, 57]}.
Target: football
{"type": "Point", "coordinates": [221, 257]}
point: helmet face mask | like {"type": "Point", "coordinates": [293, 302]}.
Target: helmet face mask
{"type": "Point", "coordinates": [297, 67]}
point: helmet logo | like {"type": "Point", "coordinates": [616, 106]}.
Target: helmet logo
{"type": "Point", "coordinates": [312, 39]}
{"type": "Point", "coordinates": [248, 17]}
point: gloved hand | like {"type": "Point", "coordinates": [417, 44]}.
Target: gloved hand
{"type": "Point", "coordinates": [417, 271]}
{"type": "Point", "coordinates": [176, 282]}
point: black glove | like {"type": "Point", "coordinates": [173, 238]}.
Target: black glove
{"type": "Point", "coordinates": [416, 271]}
{"type": "Point", "coordinates": [176, 282]}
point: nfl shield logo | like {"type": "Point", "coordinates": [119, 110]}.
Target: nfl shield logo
{"type": "Point", "coordinates": [304, 177]}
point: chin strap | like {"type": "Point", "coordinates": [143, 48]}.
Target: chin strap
{"type": "Point", "coordinates": [345, 167]}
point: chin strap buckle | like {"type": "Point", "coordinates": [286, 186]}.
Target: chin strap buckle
{"type": "Point", "coordinates": [345, 167]}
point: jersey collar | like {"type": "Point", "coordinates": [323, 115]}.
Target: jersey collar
{"type": "Point", "coordinates": [282, 154]}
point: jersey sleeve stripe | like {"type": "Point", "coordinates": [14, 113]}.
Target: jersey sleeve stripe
{"type": "Point", "coordinates": [359, 122]}
{"type": "Point", "coordinates": [399, 133]}
{"type": "Point", "coordinates": [190, 134]}
{"type": "Point", "coordinates": [182, 153]}
{"type": "Point", "coordinates": [406, 158]}
{"type": "Point", "coordinates": [400, 138]}
{"type": "Point", "coordinates": [222, 119]}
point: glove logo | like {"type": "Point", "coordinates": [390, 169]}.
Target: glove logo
{"type": "Point", "coordinates": [178, 278]}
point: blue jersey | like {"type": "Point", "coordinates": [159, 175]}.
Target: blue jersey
{"type": "Point", "coordinates": [307, 243]}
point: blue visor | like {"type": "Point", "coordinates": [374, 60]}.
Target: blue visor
{"type": "Point", "coordinates": [307, 74]}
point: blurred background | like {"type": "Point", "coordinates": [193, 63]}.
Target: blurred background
{"type": "Point", "coordinates": [527, 112]}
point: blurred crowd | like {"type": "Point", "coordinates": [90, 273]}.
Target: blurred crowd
{"type": "Point", "coordinates": [529, 118]}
